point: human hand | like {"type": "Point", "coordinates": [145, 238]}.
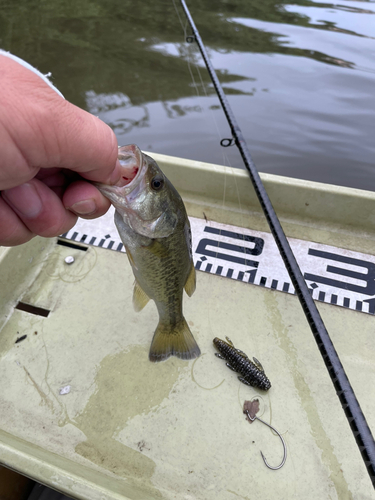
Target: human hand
{"type": "Point", "coordinates": [48, 147]}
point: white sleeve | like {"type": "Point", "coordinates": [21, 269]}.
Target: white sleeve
{"type": "Point", "coordinates": [31, 68]}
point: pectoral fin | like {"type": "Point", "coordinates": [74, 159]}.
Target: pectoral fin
{"type": "Point", "coordinates": [191, 281]}
{"type": "Point", "coordinates": [140, 297]}
{"type": "Point", "coordinates": [158, 249]}
{"type": "Point", "coordinates": [130, 257]}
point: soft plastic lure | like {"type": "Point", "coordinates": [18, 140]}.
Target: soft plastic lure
{"type": "Point", "coordinates": [252, 373]}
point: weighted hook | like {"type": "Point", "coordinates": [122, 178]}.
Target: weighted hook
{"type": "Point", "coordinates": [280, 436]}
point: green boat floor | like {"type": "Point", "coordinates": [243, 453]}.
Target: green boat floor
{"type": "Point", "coordinates": [130, 429]}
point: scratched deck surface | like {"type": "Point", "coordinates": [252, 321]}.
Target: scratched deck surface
{"type": "Point", "coordinates": [131, 429]}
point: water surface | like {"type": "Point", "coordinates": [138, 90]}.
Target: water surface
{"type": "Point", "coordinates": [300, 77]}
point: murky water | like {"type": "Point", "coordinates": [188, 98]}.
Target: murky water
{"type": "Point", "coordinates": [300, 77]}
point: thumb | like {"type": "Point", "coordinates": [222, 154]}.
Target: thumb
{"type": "Point", "coordinates": [40, 129]}
{"type": "Point", "coordinates": [85, 144]}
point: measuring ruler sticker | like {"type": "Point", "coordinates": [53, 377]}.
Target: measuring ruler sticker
{"type": "Point", "coordinates": [100, 232]}
{"type": "Point", "coordinates": [334, 275]}
{"type": "Point", "coordinates": [109, 241]}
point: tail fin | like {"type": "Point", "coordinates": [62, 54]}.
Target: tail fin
{"type": "Point", "coordinates": [173, 340]}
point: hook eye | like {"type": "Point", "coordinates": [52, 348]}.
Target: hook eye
{"type": "Point", "coordinates": [190, 39]}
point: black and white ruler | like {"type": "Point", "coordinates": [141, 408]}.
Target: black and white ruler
{"type": "Point", "coordinates": [334, 275]}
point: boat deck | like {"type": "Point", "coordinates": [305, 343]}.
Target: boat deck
{"type": "Point", "coordinates": [84, 411]}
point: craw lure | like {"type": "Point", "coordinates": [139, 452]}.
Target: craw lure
{"type": "Point", "coordinates": [251, 373]}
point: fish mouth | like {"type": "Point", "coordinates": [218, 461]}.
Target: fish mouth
{"type": "Point", "coordinates": [133, 163]}
{"type": "Point", "coordinates": [133, 167]}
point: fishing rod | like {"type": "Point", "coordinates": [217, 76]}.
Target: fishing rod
{"type": "Point", "coordinates": [344, 391]}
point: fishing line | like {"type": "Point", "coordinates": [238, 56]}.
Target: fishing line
{"type": "Point", "coordinates": [184, 28]}
{"type": "Point", "coordinates": [191, 61]}
{"type": "Point", "coordinates": [226, 161]}
{"type": "Point", "coordinates": [344, 391]}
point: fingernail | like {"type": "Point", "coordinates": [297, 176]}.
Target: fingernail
{"type": "Point", "coordinates": [85, 207]}
{"type": "Point", "coordinates": [24, 199]}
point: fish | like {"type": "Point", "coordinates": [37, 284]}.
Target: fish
{"type": "Point", "coordinates": [251, 373]}
{"type": "Point", "coordinates": [153, 225]}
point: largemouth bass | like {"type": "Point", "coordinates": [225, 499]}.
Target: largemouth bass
{"type": "Point", "coordinates": [153, 225]}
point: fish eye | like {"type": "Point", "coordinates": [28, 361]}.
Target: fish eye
{"type": "Point", "coordinates": [157, 183]}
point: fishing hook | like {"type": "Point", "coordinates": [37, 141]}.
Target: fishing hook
{"type": "Point", "coordinates": [280, 436]}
